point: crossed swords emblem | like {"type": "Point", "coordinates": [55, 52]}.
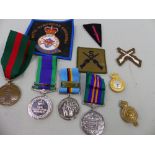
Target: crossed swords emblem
{"type": "Point", "coordinates": [91, 58]}
{"type": "Point", "coordinates": [128, 55]}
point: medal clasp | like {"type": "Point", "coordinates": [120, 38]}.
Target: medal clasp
{"type": "Point", "coordinates": [40, 87]}
{"type": "Point", "coordinates": [70, 84]}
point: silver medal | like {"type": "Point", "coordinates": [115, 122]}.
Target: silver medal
{"type": "Point", "coordinates": [68, 108]}
{"type": "Point", "coordinates": [40, 107]}
{"type": "Point", "coordinates": [93, 123]}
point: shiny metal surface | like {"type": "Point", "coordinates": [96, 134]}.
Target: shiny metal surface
{"type": "Point", "coordinates": [9, 94]}
{"type": "Point", "coordinates": [128, 113]}
{"type": "Point", "coordinates": [93, 123]}
{"type": "Point", "coordinates": [68, 108]}
{"type": "Point", "coordinates": [40, 107]}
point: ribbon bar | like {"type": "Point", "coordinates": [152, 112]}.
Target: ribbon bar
{"type": "Point", "coordinates": [69, 84]}
{"type": "Point", "coordinates": [48, 86]}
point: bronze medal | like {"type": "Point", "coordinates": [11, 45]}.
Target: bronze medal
{"type": "Point", "coordinates": [15, 60]}
{"type": "Point", "coordinates": [9, 94]}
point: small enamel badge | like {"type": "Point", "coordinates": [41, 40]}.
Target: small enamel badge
{"type": "Point", "coordinates": [128, 55]}
{"type": "Point", "coordinates": [117, 84]}
{"type": "Point", "coordinates": [128, 114]}
{"type": "Point", "coordinates": [91, 60]}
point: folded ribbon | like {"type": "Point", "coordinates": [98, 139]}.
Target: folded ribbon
{"type": "Point", "coordinates": [46, 73]}
{"type": "Point", "coordinates": [70, 81]}
{"type": "Point", "coordinates": [17, 54]}
{"type": "Point", "coordinates": [95, 89]}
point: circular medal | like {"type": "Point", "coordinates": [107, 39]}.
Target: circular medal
{"type": "Point", "coordinates": [9, 94]}
{"type": "Point", "coordinates": [93, 123]}
{"type": "Point", "coordinates": [68, 108]}
{"type": "Point", "coordinates": [40, 107]}
{"type": "Point", "coordinates": [116, 83]}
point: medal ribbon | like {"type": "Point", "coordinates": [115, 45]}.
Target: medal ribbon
{"type": "Point", "coordinates": [95, 89]}
{"type": "Point", "coordinates": [46, 73]}
{"type": "Point", "coordinates": [72, 76]}
{"type": "Point", "coordinates": [17, 54]}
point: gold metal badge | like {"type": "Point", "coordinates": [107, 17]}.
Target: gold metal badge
{"type": "Point", "coordinates": [9, 94]}
{"type": "Point", "coordinates": [116, 83]}
{"type": "Point", "coordinates": [128, 114]}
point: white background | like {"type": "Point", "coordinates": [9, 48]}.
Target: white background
{"type": "Point", "coordinates": [60, 9]}
{"type": "Point", "coordinates": [140, 91]}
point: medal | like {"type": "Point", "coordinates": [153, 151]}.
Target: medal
{"type": "Point", "coordinates": [70, 84]}
{"type": "Point", "coordinates": [92, 122]}
{"type": "Point", "coordinates": [68, 108]}
{"type": "Point", "coordinates": [128, 114]}
{"type": "Point", "coordinates": [117, 84]}
{"type": "Point", "coordinates": [40, 107]}
{"type": "Point", "coordinates": [9, 94]}
{"type": "Point", "coordinates": [15, 60]}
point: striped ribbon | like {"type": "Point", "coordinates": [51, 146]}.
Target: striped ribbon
{"type": "Point", "coordinates": [70, 75]}
{"type": "Point", "coordinates": [95, 89]}
{"type": "Point", "coordinates": [17, 54]}
{"type": "Point", "coordinates": [46, 73]}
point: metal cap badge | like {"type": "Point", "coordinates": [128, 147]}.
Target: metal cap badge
{"type": "Point", "coordinates": [128, 114]}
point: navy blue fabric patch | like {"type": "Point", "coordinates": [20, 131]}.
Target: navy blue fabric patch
{"type": "Point", "coordinates": [52, 37]}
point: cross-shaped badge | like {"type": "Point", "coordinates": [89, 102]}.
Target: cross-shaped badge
{"type": "Point", "coordinates": [128, 55]}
